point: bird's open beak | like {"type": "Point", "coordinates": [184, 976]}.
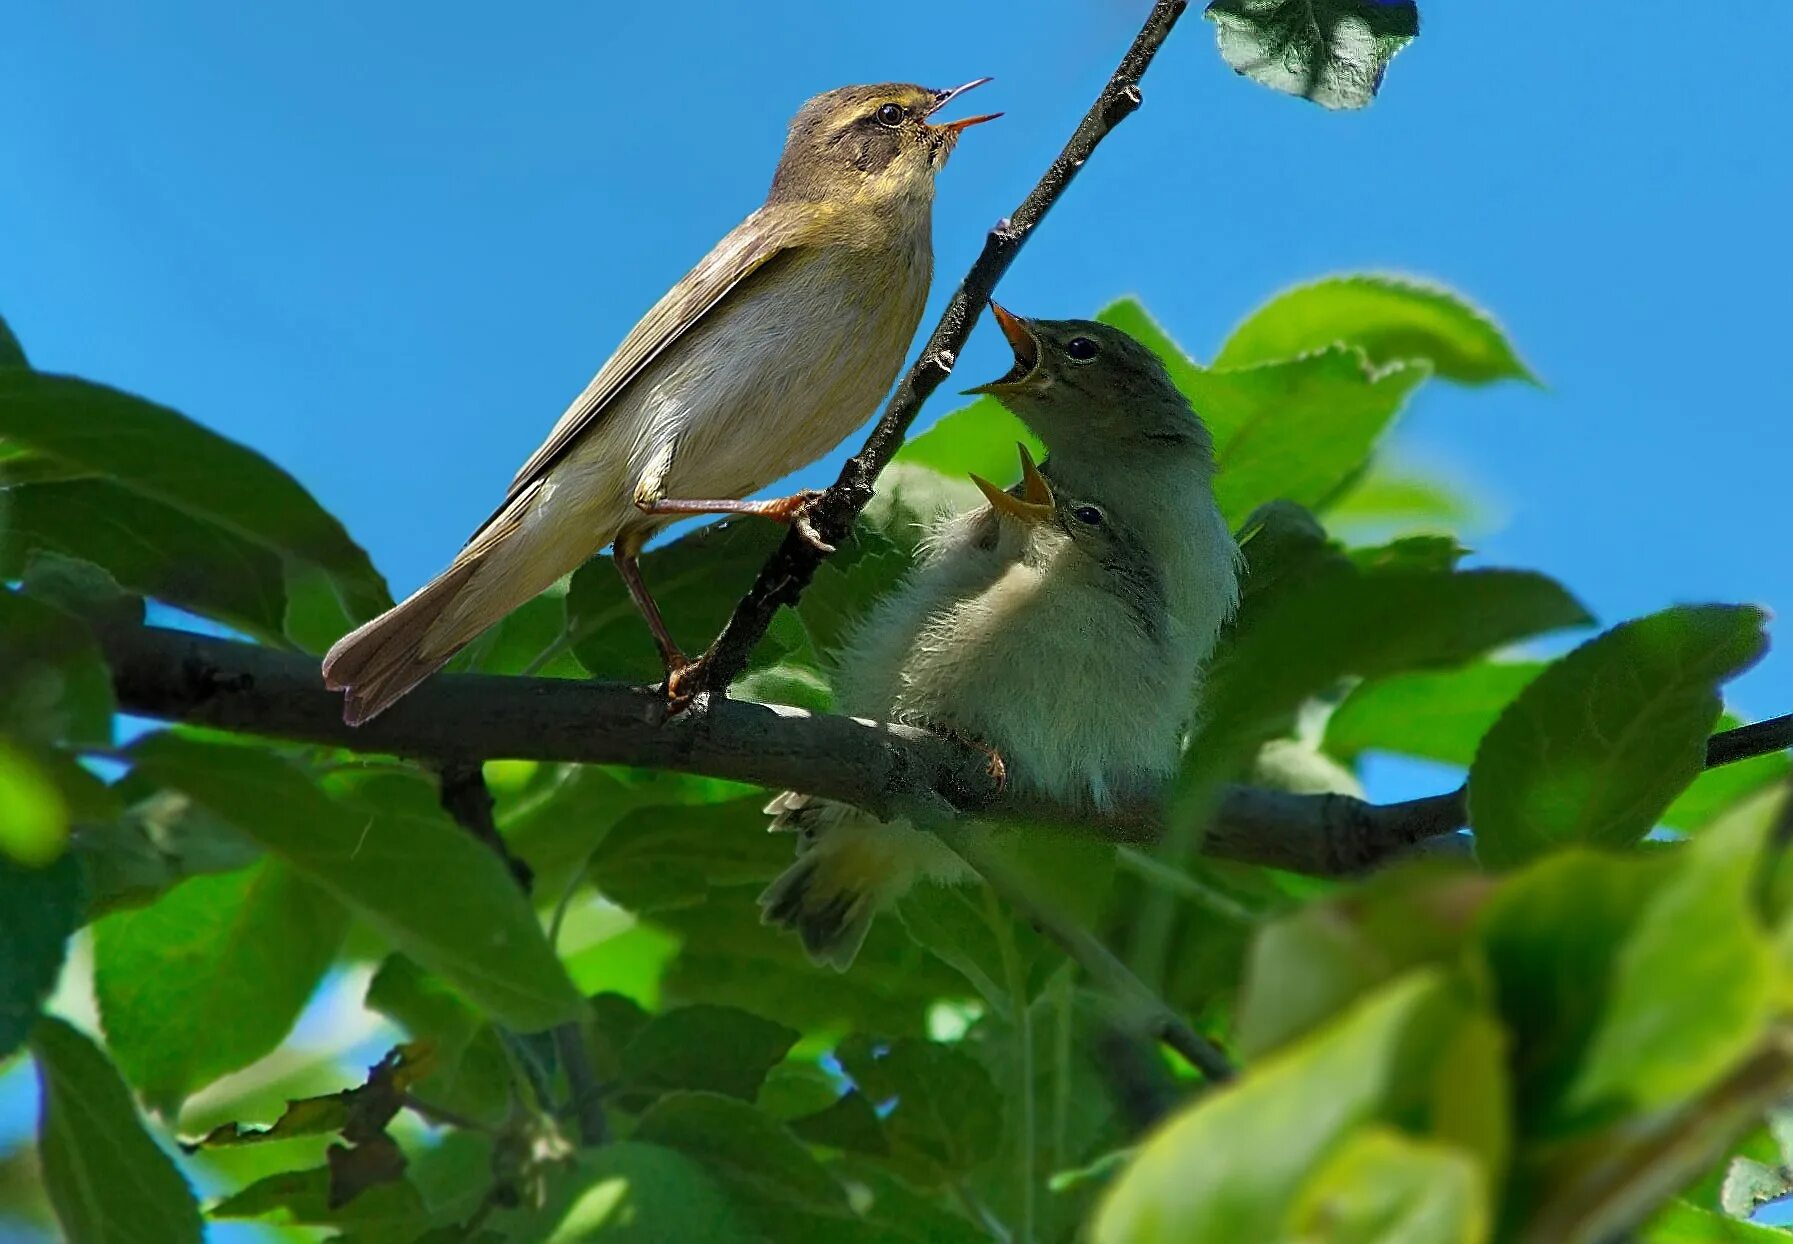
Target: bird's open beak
{"type": "Point", "coordinates": [1025, 345]}
{"type": "Point", "coordinates": [943, 98]}
{"type": "Point", "coordinates": [1034, 505]}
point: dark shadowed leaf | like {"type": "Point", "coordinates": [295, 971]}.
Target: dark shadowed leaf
{"type": "Point", "coordinates": [1600, 743]}
{"type": "Point", "coordinates": [849, 1123]}
{"type": "Point", "coordinates": [942, 1106]}
{"type": "Point", "coordinates": [636, 1193]}
{"type": "Point", "coordinates": [467, 1071]}
{"type": "Point", "coordinates": [150, 548]}
{"type": "Point", "coordinates": [162, 454]}
{"type": "Point", "coordinates": [470, 923]}
{"type": "Point", "coordinates": [868, 565]}
{"type": "Point", "coordinates": [1294, 430]}
{"type": "Point", "coordinates": [717, 1049]}
{"type": "Point", "coordinates": [12, 354]}
{"type": "Point", "coordinates": [1333, 52]}
{"type": "Point", "coordinates": [211, 976]}
{"type": "Point", "coordinates": [1390, 318]}
{"type": "Point", "coordinates": [39, 909]}
{"type": "Point", "coordinates": [54, 685]}
{"type": "Point", "coordinates": [90, 1139]}
{"type": "Point", "coordinates": [393, 1210]}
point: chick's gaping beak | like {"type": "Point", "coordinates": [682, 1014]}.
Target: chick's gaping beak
{"type": "Point", "coordinates": [1025, 345]}
{"type": "Point", "coordinates": [1034, 505]}
{"type": "Point", "coordinates": [943, 98]}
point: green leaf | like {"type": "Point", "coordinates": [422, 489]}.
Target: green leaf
{"type": "Point", "coordinates": [636, 1193]}
{"type": "Point", "coordinates": [947, 1111]}
{"type": "Point", "coordinates": [869, 565]}
{"type": "Point", "coordinates": [1434, 714]}
{"type": "Point", "coordinates": [1390, 318]}
{"type": "Point", "coordinates": [150, 548]}
{"type": "Point", "coordinates": [54, 685]}
{"type": "Point", "coordinates": [978, 439]}
{"type": "Point", "coordinates": [1601, 742]}
{"type": "Point", "coordinates": [211, 976]}
{"type": "Point", "coordinates": [470, 923]}
{"type": "Point", "coordinates": [1228, 1168]}
{"type": "Point", "coordinates": [107, 1179]}
{"type": "Point", "coordinates": [671, 856]}
{"type": "Point", "coordinates": [520, 637]}
{"type": "Point", "coordinates": [12, 354]}
{"type": "Point", "coordinates": [33, 817]}
{"type": "Point", "coordinates": [1333, 52]}
{"type": "Point", "coordinates": [388, 1211]}
{"type": "Point", "coordinates": [765, 1169]}
{"type": "Point", "coordinates": [165, 456]}
{"type": "Point", "coordinates": [1385, 497]}
{"type": "Point", "coordinates": [469, 1073]}
{"type": "Point", "coordinates": [716, 1049]}
{"type": "Point", "coordinates": [1682, 1223]}
{"type": "Point", "coordinates": [1294, 430]}
{"type": "Point", "coordinates": [1593, 959]}
{"type": "Point", "coordinates": [697, 580]}
{"type": "Point", "coordinates": [40, 909]}
{"type": "Point", "coordinates": [1382, 1187]}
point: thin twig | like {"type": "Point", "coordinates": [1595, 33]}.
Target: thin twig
{"type": "Point", "coordinates": [587, 1095]}
{"type": "Point", "coordinates": [1143, 1009]}
{"type": "Point", "coordinates": [790, 568]}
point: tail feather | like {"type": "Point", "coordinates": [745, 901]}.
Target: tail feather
{"type": "Point", "coordinates": [832, 920]}
{"type": "Point", "coordinates": [381, 660]}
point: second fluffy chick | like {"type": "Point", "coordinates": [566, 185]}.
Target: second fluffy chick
{"type": "Point", "coordinates": [1064, 628]}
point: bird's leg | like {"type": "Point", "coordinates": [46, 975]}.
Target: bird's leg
{"type": "Point", "coordinates": [793, 510]}
{"type": "Point", "coordinates": [630, 570]}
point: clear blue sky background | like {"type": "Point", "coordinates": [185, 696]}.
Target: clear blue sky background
{"type": "Point", "coordinates": [385, 243]}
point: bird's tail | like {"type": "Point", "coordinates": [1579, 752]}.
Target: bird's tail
{"type": "Point", "coordinates": [848, 869]}
{"type": "Point", "coordinates": [501, 567]}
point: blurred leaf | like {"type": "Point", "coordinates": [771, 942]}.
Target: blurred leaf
{"type": "Point", "coordinates": [1435, 714]}
{"type": "Point", "coordinates": [1381, 1187]}
{"type": "Point", "coordinates": [211, 976]}
{"type": "Point", "coordinates": [470, 924]}
{"type": "Point", "coordinates": [946, 1110]}
{"type": "Point", "coordinates": [1716, 791]}
{"type": "Point", "coordinates": [160, 837]}
{"type": "Point", "coordinates": [81, 588]}
{"type": "Point", "coordinates": [390, 1211]}
{"type": "Point", "coordinates": [1602, 741]}
{"type": "Point", "coordinates": [905, 1214]}
{"type": "Point", "coordinates": [1333, 52]}
{"type": "Point", "coordinates": [978, 439]}
{"type": "Point", "coordinates": [315, 616]}
{"type": "Point", "coordinates": [1228, 1168]}
{"type": "Point", "coordinates": [697, 580]}
{"type": "Point", "coordinates": [467, 1072]}
{"type": "Point", "coordinates": [1592, 958]}
{"type": "Point", "coordinates": [513, 644]}
{"type": "Point", "coordinates": [165, 456]}
{"type": "Point", "coordinates": [33, 816]}
{"type": "Point", "coordinates": [40, 908]}
{"type": "Point", "coordinates": [89, 1138]}
{"type": "Point", "coordinates": [54, 685]}
{"type": "Point", "coordinates": [1390, 318]}
{"type": "Point", "coordinates": [1384, 495]}
{"type": "Point", "coordinates": [150, 548]}
{"type": "Point", "coordinates": [638, 1193]}
{"type": "Point", "coordinates": [769, 1173]}
{"type": "Point", "coordinates": [869, 565]}
{"type": "Point", "coordinates": [1308, 966]}
{"type": "Point", "coordinates": [1681, 1223]}
{"type": "Point", "coordinates": [359, 1113]}
{"type": "Point", "coordinates": [1295, 430]}
{"type": "Point", "coordinates": [12, 354]}
{"type": "Point", "coordinates": [670, 856]}
{"type": "Point", "coordinates": [716, 1049]}
{"type": "Point", "coordinates": [849, 1123]}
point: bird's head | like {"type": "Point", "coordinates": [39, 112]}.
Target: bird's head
{"type": "Point", "coordinates": [872, 144]}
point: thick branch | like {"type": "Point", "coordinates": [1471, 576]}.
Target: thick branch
{"type": "Point", "coordinates": [886, 769]}
{"type": "Point", "coordinates": [791, 567]}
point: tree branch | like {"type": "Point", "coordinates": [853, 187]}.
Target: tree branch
{"type": "Point", "coordinates": [795, 562]}
{"type": "Point", "coordinates": [888, 770]}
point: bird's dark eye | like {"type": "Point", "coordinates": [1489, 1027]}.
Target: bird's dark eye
{"type": "Point", "coordinates": [1081, 349]}
{"type": "Point", "coordinates": [892, 115]}
{"type": "Point", "coordinates": [1088, 513]}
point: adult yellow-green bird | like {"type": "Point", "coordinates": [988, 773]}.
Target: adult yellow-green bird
{"type": "Point", "coordinates": [1063, 626]}
{"type": "Point", "coordinates": [762, 359]}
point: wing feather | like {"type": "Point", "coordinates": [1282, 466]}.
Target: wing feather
{"type": "Point", "coordinates": [762, 237]}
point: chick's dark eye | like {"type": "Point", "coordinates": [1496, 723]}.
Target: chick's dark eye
{"type": "Point", "coordinates": [1088, 514]}
{"type": "Point", "coordinates": [892, 115]}
{"type": "Point", "coordinates": [1081, 349]}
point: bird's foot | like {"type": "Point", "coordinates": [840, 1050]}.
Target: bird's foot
{"type": "Point", "coordinates": [994, 765]}
{"type": "Point", "coordinates": [795, 510]}
{"type": "Point", "coordinates": [683, 681]}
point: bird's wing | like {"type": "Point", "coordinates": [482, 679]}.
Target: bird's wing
{"type": "Point", "coordinates": [762, 237]}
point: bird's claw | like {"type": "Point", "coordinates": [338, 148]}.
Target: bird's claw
{"type": "Point", "coordinates": [794, 510]}
{"type": "Point", "coordinates": [682, 685]}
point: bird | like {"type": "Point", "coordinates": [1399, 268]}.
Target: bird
{"type": "Point", "coordinates": [1062, 626]}
{"type": "Point", "coordinates": [760, 360]}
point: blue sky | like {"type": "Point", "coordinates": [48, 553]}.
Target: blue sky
{"type": "Point", "coordinates": [385, 244]}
